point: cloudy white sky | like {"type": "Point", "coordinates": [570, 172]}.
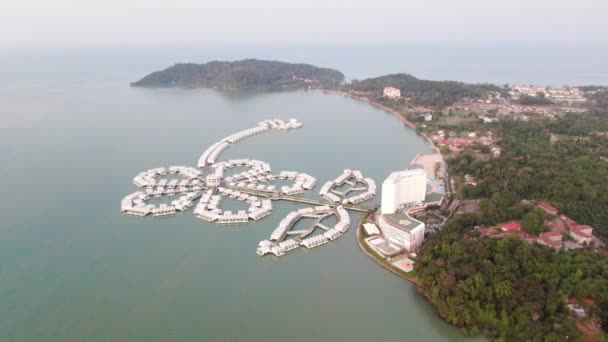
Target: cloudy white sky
{"type": "Point", "coordinates": [145, 22]}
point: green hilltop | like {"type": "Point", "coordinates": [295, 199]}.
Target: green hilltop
{"type": "Point", "coordinates": [248, 74]}
{"type": "Point", "coordinates": [425, 92]}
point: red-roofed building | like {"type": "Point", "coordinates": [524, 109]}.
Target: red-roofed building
{"type": "Point", "coordinates": [510, 226]}
{"type": "Point", "coordinates": [569, 222]}
{"type": "Point", "coordinates": [456, 148]}
{"type": "Point", "coordinates": [557, 225]}
{"type": "Point", "coordinates": [484, 231]}
{"type": "Point", "coordinates": [582, 233]}
{"type": "Point", "coordinates": [547, 207]}
{"type": "Point", "coordinates": [551, 239]}
{"type": "Point", "coordinates": [488, 232]}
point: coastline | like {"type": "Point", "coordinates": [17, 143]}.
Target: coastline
{"type": "Point", "coordinates": [410, 277]}
{"type": "Point", "coordinates": [376, 258]}
{"type": "Point", "coordinates": [379, 260]}
{"type": "Point", "coordinates": [390, 110]}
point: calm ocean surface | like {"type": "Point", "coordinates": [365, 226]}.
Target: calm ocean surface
{"type": "Point", "coordinates": [73, 268]}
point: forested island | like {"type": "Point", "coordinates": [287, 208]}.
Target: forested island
{"type": "Point", "coordinates": [248, 74]}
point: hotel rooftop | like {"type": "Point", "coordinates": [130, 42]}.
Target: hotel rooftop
{"type": "Point", "coordinates": [402, 221]}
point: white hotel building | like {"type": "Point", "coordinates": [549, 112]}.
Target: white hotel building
{"type": "Point", "coordinates": [391, 92]}
{"type": "Point", "coordinates": [401, 188]}
{"type": "Point", "coordinates": [403, 230]}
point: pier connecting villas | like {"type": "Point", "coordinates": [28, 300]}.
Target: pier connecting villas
{"type": "Point", "coordinates": [257, 186]}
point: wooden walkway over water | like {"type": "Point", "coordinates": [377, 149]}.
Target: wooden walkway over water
{"type": "Point", "coordinates": [276, 195]}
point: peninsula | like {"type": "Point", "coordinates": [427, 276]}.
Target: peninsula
{"type": "Point", "coordinates": [248, 74]}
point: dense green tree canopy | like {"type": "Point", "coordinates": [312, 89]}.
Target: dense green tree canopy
{"type": "Point", "coordinates": [425, 92]}
{"type": "Point", "coordinates": [506, 288]}
{"type": "Point", "coordinates": [533, 222]}
{"type": "Point", "coordinates": [248, 74]}
{"type": "Point", "coordinates": [570, 172]}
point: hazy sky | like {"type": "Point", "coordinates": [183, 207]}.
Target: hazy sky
{"type": "Point", "coordinates": [152, 22]}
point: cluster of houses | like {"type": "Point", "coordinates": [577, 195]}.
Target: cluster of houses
{"type": "Point", "coordinates": [258, 176]}
{"type": "Point", "coordinates": [508, 109]}
{"type": "Point", "coordinates": [135, 204]}
{"type": "Point", "coordinates": [558, 225]}
{"type": "Point", "coordinates": [255, 168]}
{"type": "Point", "coordinates": [280, 241]}
{"type": "Point", "coordinates": [352, 178]}
{"type": "Point", "coordinates": [185, 182]}
{"type": "Point", "coordinates": [562, 95]}
{"type": "Point", "coordinates": [147, 179]}
{"type": "Point", "coordinates": [208, 207]}
{"type": "Point", "coordinates": [305, 80]}
{"type": "Point", "coordinates": [457, 144]}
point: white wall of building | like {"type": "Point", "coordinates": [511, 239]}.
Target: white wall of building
{"type": "Point", "coordinates": [403, 187]}
{"type": "Point", "coordinates": [391, 92]}
{"type": "Point", "coordinates": [410, 240]}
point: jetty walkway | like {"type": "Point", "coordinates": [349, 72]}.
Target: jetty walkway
{"type": "Point", "coordinates": [276, 195]}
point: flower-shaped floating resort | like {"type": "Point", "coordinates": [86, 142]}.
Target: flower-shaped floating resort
{"type": "Point", "coordinates": [256, 186]}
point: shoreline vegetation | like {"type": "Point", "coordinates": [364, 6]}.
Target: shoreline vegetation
{"type": "Point", "coordinates": [365, 99]}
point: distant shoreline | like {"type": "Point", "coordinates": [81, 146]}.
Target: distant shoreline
{"type": "Point", "coordinates": [392, 111]}
{"type": "Point", "coordinates": [365, 99]}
